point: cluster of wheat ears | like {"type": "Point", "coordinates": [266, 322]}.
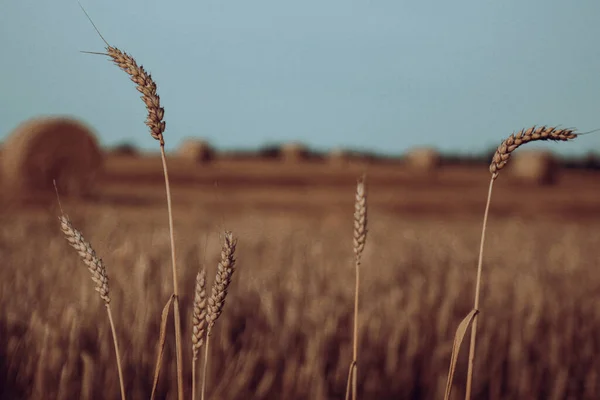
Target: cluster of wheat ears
{"type": "Point", "coordinates": [206, 310]}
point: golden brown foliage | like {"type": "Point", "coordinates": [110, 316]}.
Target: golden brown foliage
{"type": "Point", "coordinates": [285, 333]}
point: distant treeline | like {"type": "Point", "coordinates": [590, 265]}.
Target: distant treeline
{"type": "Point", "coordinates": [590, 161]}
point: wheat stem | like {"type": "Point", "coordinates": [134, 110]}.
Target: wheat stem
{"type": "Point", "coordinates": [499, 161]}
{"type": "Point", "coordinates": [204, 368]}
{"type": "Point", "coordinates": [176, 312]}
{"type": "Point", "coordinates": [114, 336]}
{"type": "Point", "coordinates": [359, 240]}
{"type": "Point", "coordinates": [477, 295]}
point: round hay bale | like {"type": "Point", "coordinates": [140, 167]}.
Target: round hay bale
{"type": "Point", "coordinates": [339, 157]}
{"type": "Point", "coordinates": [423, 159]}
{"type": "Point", "coordinates": [196, 150]}
{"type": "Point", "coordinates": [538, 167]}
{"type": "Point", "coordinates": [44, 149]}
{"type": "Point", "coordinates": [293, 152]}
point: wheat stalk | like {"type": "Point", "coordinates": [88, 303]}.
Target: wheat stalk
{"type": "Point", "coordinates": [220, 287]}
{"type": "Point", "coordinates": [155, 121]}
{"type": "Point", "coordinates": [199, 323]}
{"type": "Point", "coordinates": [360, 238]}
{"type": "Point", "coordinates": [499, 161]}
{"type": "Point", "coordinates": [100, 278]}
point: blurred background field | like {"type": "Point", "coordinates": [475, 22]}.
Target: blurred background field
{"type": "Point", "coordinates": [286, 330]}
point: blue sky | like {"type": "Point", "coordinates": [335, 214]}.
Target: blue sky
{"type": "Point", "coordinates": [380, 75]}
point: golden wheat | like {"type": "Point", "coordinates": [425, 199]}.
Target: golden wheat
{"type": "Point", "coordinates": [510, 144]}
{"type": "Point", "coordinates": [216, 301]}
{"type": "Point", "coordinates": [499, 161]}
{"type": "Point", "coordinates": [146, 86]}
{"type": "Point", "coordinates": [198, 323]}
{"type": "Point", "coordinates": [100, 278]}
{"type": "Point", "coordinates": [360, 238]}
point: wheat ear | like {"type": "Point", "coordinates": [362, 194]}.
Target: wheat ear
{"type": "Point", "coordinates": [360, 238]}
{"type": "Point", "coordinates": [199, 323]}
{"type": "Point", "coordinates": [216, 301]}
{"type": "Point", "coordinates": [532, 134]}
{"type": "Point", "coordinates": [100, 278]}
{"type": "Point", "coordinates": [499, 161]}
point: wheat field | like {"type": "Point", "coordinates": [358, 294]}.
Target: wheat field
{"type": "Point", "coordinates": [287, 329]}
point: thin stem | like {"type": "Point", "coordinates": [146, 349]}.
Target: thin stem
{"type": "Point", "coordinates": [205, 366]}
{"type": "Point", "coordinates": [355, 344]}
{"type": "Point", "coordinates": [114, 335]}
{"type": "Point", "coordinates": [477, 293]}
{"type": "Point", "coordinates": [194, 378]}
{"type": "Point", "coordinates": [349, 382]}
{"type": "Point", "coordinates": [177, 319]}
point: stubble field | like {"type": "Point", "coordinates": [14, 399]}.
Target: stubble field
{"type": "Point", "coordinates": [286, 331]}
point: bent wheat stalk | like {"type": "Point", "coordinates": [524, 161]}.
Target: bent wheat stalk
{"type": "Point", "coordinates": [216, 301]}
{"type": "Point", "coordinates": [499, 161]}
{"type": "Point", "coordinates": [360, 238]}
{"type": "Point", "coordinates": [147, 87]}
{"type": "Point", "coordinates": [100, 278]}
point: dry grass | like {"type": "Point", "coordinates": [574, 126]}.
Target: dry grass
{"type": "Point", "coordinates": [286, 331]}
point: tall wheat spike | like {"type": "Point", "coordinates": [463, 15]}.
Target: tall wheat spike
{"type": "Point", "coordinates": [100, 278]}
{"type": "Point", "coordinates": [359, 240]}
{"type": "Point", "coordinates": [220, 288]}
{"type": "Point", "coordinates": [499, 161]}
{"type": "Point", "coordinates": [147, 87]}
{"type": "Point", "coordinates": [198, 323]}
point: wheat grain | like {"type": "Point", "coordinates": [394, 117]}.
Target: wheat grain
{"type": "Point", "coordinates": [199, 323]}
{"type": "Point", "coordinates": [511, 143]}
{"type": "Point", "coordinates": [360, 219]}
{"type": "Point", "coordinates": [88, 255]}
{"type": "Point", "coordinates": [225, 270]}
{"type": "Point", "coordinates": [100, 278]}
{"type": "Point", "coordinates": [146, 86]}
{"type": "Point", "coordinates": [216, 302]}
{"type": "Point", "coordinates": [199, 314]}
